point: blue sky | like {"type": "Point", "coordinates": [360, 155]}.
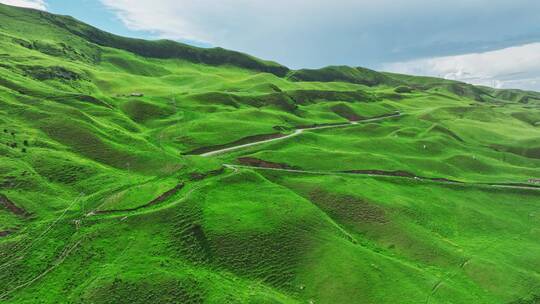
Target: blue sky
{"type": "Point", "coordinates": [95, 13]}
{"type": "Point", "coordinates": [490, 42]}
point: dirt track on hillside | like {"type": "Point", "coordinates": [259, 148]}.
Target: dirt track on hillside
{"type": "Point", "coordinates": [276, 137]}
{"type": "Point", "coordinates": [399, 174]}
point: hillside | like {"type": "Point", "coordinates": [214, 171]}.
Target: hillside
{"type": "Point", "coordinates": [137, 171]}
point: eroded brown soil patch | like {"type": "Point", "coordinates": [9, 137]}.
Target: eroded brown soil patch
{"type": "Point", "coordinates": [157, 200]}
{"type": "Point", "coordinates": [5, 233]}
{"type": "Point", "coordinates": [242, 141]}
{"type": "Point", "coordinates": [255, 162]}
{"type": "Point", "coordinates": [11, 207]}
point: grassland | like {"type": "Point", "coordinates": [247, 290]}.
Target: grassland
{"type": "Point", "coordinates": [104, 197]}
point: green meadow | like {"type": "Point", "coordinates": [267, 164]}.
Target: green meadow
{"type": "Point", "coordinates": [105, 196]}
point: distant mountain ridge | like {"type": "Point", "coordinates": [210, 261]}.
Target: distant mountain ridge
{"type": "Point", "coordinates": [167, 49]}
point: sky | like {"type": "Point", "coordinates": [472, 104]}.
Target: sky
{"type": "Point", "coordinates": [488, 42]}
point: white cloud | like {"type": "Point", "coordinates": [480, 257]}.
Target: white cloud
{"type": "Point", "coordinates": [513, 67]}
{"type": "Point", "coordinates": [314, 33]}
{"type": "Point", "coordinates": [37, 4]}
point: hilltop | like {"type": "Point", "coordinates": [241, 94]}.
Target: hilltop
{"type": "Point", "coordinates": [137, 171]}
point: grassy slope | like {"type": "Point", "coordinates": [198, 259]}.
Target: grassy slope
{"type": "Point", "coordinates": [250, 236]}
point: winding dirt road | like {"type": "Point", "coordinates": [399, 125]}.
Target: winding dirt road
{"type": "Point", "coordinates": [298, 132]}
{"type": "Point", "coordinates": [379, 118]}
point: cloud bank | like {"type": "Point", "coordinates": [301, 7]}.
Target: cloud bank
{"type": "Point", "coordinates": [513, 67]}
{"type": "Point", "coordinates": [311, 33]}
{"type": "Point", "coordinates": [37, 4]}
{"type": "Point", "coordinates": [490, 42]}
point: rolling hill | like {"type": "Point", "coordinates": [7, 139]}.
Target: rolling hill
{"type": "Point", "coordinates": [136, 171]}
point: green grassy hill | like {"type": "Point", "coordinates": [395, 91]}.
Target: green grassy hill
{"type": "Point", "coordinates": [105, 196]}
